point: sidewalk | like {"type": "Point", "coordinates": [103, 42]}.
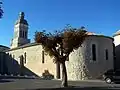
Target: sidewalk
{"type": "Point", "coordinates": [92, 80]}
{"type": "Point", "coordinates": [17, 77]}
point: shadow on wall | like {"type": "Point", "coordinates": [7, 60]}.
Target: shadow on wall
{"type": "Point", "coordinates": [10, 66]}
{"type": "Point", "coordinates": [117, 57]}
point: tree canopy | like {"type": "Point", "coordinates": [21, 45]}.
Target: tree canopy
{"type": "Point", "coordinates": [68, 39]}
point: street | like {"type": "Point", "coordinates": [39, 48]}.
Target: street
{"type": "Point", "coordinates": [37, 84]}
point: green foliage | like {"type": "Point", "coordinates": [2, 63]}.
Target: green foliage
{"type": "Point", "coordinates": [46, 75]}
{"type": "Point", "coordinates": [66, 40]}
{"type": "Point", "coordinates": [1, 10]}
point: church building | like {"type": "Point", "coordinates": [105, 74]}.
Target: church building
{"type": "Point", "coordinates": [89, 61]}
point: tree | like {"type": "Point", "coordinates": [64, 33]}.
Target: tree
{"type": "Point", "coordinates": [60, 44]}
{"type": "Point", "coordinates": [1, 11]}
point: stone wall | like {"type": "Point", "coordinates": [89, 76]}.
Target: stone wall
{"type": "Point", "coordinates": [3, 65]}
{"type": "Point", "coordinates": [33, 63]}
{"type": "Point", "coordinates": [81, 66]}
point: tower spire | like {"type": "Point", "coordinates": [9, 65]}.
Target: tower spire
{"type": "Point", "coordinates": [21, 15]}
{"type": "Point", "coordinates": [20, 32]}
{"type": "Point", "coordinates": [21, 19]}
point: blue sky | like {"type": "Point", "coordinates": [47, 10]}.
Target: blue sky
{"type": "Point", "coordinates": [99, 16]}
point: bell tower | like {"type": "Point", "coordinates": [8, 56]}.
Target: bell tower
{"type": "Point", "coordinates": [20, 32]}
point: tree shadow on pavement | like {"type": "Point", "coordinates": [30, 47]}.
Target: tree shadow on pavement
{"type": "Point", "coordinates": [79, 88]}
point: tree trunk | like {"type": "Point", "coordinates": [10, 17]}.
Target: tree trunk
{"type": "Point", "coordinates": [58, 70]}
{"type": "Point", "coordinates": [64, 75]}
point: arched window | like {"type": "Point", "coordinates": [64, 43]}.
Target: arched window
{"type": "Point", "coordinates": [25, 34]}
{"type": "Point", "coordinates": [106, 54]}
{"type": "Point", "coordinates": [43, 57]}
{"type": "Point", "coordinates": [25, 57]}
{"type": "Point", "coordinates": [20, 33]}
{"type": "Point", "coordinates": [93, 52]}
{"type": "Point", "coordinates": [13, 57]}
{"type": "Point", "coordinates": [21, 60]}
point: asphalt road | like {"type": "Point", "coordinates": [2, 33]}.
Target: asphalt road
{"type": "Point", "coordinates": [37, 84]}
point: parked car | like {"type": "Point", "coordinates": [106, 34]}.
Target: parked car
{"type": "Point", "coordinates": [112, 76]}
